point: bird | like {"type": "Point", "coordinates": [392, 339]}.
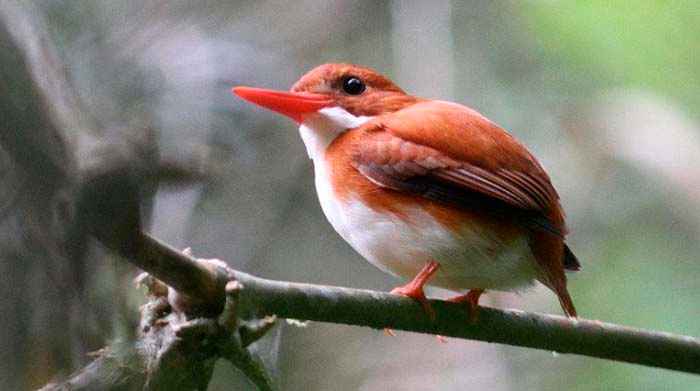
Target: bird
{"type": "Point", "coordinates": [429, 191]}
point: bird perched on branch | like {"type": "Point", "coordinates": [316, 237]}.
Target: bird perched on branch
{"type": "Point", "coordinates": [424, 189]}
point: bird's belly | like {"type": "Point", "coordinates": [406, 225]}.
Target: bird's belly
{"type": "Point", "coordinates": [470, 257]}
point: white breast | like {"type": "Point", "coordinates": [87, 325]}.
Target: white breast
{"type": "Point", "coordinates": [473, 258]}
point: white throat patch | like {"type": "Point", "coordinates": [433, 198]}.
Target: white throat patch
{"type": "Point", "coordinates": [320, 129]}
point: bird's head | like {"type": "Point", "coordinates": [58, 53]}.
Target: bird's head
{"type": "Point", "coordinates": [359, 91]}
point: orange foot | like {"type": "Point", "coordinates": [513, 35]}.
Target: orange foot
{"type": "Point", "coordinates": [414, 289]}
{"type": "Point", "coordinates": [472, 300]}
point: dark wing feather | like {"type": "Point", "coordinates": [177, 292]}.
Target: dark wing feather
{"type": "Point", "coordinates": [570, 260]}
{"type": "Point", "coordinates": [496, 185]}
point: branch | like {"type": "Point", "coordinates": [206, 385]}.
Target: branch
{"type": "Point", "coordinates": [511, 327]}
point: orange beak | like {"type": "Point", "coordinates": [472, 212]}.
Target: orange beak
{"type": "Point", "coordinates": [295, 105]}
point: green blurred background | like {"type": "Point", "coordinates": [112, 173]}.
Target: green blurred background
{"type": "Point", "coordinates": [606, 94]}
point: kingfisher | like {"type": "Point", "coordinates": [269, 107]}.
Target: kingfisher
{"type": "Point", "coordinates": [427, 190]}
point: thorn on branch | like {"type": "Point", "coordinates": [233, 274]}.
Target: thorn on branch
{"type": "Point", "coordinates": [253, 330]}
{"type": "Point", "coordinates": [229, 316]}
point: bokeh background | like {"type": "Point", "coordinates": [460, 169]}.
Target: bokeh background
{"type": "Point", "coordinates": [606, 94]}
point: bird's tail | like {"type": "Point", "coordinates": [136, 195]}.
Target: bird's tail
{"type": "Point", "coordinates": [570, 260]}
{"type": "Point", "coordinates": [566, 303]}
{"type": "Point", "coordinates": [570, 263]}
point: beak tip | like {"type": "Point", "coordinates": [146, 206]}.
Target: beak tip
{"type": "Point", "coordinates": [238, 91]}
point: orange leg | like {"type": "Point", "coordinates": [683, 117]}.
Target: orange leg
{"type": "Point", "coordinates": [414, 289]}
{"type": "Point", "coordinates": [472, 300]}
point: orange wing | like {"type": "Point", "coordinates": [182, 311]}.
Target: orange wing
{"type": "Point", "coordinates": [450, 153]}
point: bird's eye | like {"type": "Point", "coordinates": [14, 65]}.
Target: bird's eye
{"type": "Point", "coordinates": [353, 85]}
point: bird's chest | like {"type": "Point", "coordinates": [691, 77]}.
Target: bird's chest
{"type": "Point", "coordinates": [396, 243]}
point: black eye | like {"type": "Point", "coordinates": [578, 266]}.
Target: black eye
{"type": "Point", "coordinates": [353, 86]}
